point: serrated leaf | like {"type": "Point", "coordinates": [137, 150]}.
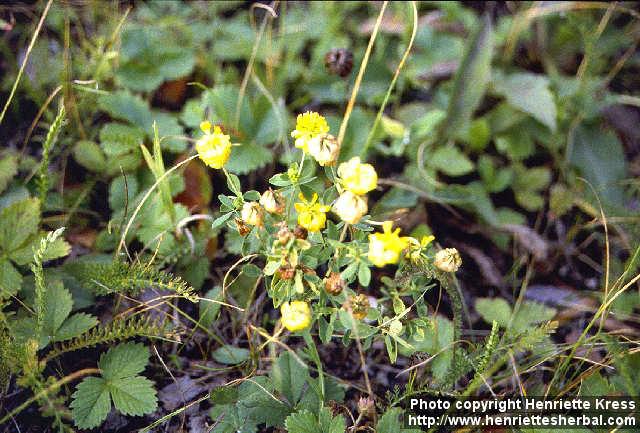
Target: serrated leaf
{"type": "Point", "coordinates": [529, 314]}
{"type": "Point", "coordinates": [18, 222]}
{"type": "Point", "coordinates": [10, 279]}
{"type": "Point", "coordinates": [124, 360]}
{"type": "Point", "coordinates": [390, 422]}
{"type": "Point", "coordinates": [530, 93]}
{"type": "Point", "coordinates": [289, 376]}
{"type": "Point", "coordinates": [57, 306]}
{"type": "Point", "coordinates": [91, 403]}
{"type": "Point", "coordinates": [133, 395]}
{"type": "Point", "coordinates": [230, 355]}
{"type": "Point", "coordinates": [74, 326]}
{"type": "Point", "coordinates": [305, 421]}
{"type": "Point", "coordinates": [117, 139]}
{"type": "Point", "coordinates": [496, 309]}
{"type": "Point", "coordinates": [8, 169]}
{"type": "Point", "coordinates": [56, 249]}
{"type": "Point", "coordinates": [248, 157]}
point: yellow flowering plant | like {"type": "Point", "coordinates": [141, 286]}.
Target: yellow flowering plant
{"type": "Point", "coordinates": [317, 249]}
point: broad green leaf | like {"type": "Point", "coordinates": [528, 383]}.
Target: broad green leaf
{"type": "Point", "coordinates": [56, 249]}
{"type": "Point", "coordinates": [230, 355]}
{"type": "Point", "coordinates": [91, 403]}
{"type": "Point", "coordinates": [289, 376]}
{"type": "Point", "coordinates": [133, 395]}
{"type": "Point", "coordinates": [74, 326]}
{"type": "Point", "coordinates": [209, 310]}
{"type": "Point", "coordinates": [599, 156]}
{"type": "Point", "coordinates": [89, 155]}
{"type": "Point", "coordinates": [531, 313]}
{"type": "Point", "coordinates": [8, 169]}
{"type": "Point", "coordinates": [451, 161]}
{"type": "Point", "coordinates": [530, 93]}
{"type": "Point", "coordinates": [496, 309]}
{"type": "Point", "coordinates": [118, 139]}
{"type": "Point", "coordinates": [124, 360]}
{"type": "Point", "coordinates": [248, 157]}
{"type": "Point", "coordinates": [57, 306]}
{"type": "Point", "coordinates": [18, 222]}
{"type": "Point", "coordinates": [471, 80]}
{"type": "Point", "coordinates": [10, 279]}
{"type": "Point", "coordinates": [120, 192]}
{"type": "Point", "coordinates": [306, 421]}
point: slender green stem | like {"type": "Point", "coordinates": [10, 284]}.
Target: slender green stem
{"type": "Point", "coordinates": [313, 351]}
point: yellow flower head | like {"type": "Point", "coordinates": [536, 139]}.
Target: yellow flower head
{"type": "Point", "coordinates": [385, 247]}
{"type": "Point", "coordinates": [296, 315]}
{"type": "Point", "coordinates": [272, 201]}
{"type": "Point", "coordinates": [357, 177]}
{"type": "Point", "coordinates": [350, 207]}
{"type": "Point", "coordinates": [417, 247]}
{"type": "Point", "coordinates": [214, 147]}
{"type": "Point", "coordinates": [448, 260]}
{"type": "Point", "coordinates": [310, 126]}
{"type": "Point", "coordinates": [311, 214]}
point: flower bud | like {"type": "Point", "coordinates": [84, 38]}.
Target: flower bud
{"type": "Point", "coordinates": [366, 406]}
{"type": "Point", "coordinates": [252, 213]}
{"type": "Point", "coordinates": [334, 284]}
{"type": "Point", "coordinates": [448, 260]}
{"type": "Point", "coordinates": [350, 207]}
{"type": "Point", "coordinates": [358, 306]}
{"type": "Point", "coordinates": [272, 201]}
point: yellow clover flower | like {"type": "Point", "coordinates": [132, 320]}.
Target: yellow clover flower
{"type": "Point", "coordinates": [385, 247]}
{"type": "Point", "coordinates": [296, 315]}
{"type": "Point", "coordinates": [448, 260]}
{"type": "Point", "coordinates": [324, 150]}
{"type": "Point", "coordinates": [214, 148]}
{"type": "Point", "coordinates": [311, 214]}
{"type": "Point", "coordinates": [417, 247]}
{"type": "Point", "coordinates": [357, 177]}
{"type": "Point", "coordinates": [310, 127]}
{"type": "Point", "coordinates": [350, 207]}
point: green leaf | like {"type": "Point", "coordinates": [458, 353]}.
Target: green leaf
{"type": "Point", "coordinates": [390, 422]}
{"type": "Point", "coordinates": [599, 156]}
{"type": "Point", "coordinates": [124, 360]}
{"type": "Point", "coordinates": [10, 279]}
{"type": "Point", "coordinates": [471, 80]}
{"type": "Point", "coordinates": [289, 376]}
{"type": "Point", "coordinates": [230, 355]}
{"type": "Point", "coordinates": [118, 139]}
{"type": "Point", "coordinates": [451, 161]}
{"type": "Point", "coordinates": [209, 310]}
{"type": "Point", "coordinates": [89, 155]}
{"type": "Point", "coordinates": [8, 170]}
{"type": "Point", "coordinates": [18, 222]}
{"type": "Point", "coordinates": [530, 93]}
{"type": "Point", "coordinates": [305, 421]}
{"type": "Point", "coordinates": [531, 313]}
{"type": "Point", "coordinates": [248, 157]}
{"type": "Point", "coordinates": [57, 306]}
{"type": "Point", "coordinates": [496, 309]}
{"type": "Point", "coordinates": [133, 395]}
{"type": "Point", "coordinates": [74, 326]}
{"type": "Point", "coordinates": [55, 249]}
{"type": "Point", "coordinates": [91, 403]}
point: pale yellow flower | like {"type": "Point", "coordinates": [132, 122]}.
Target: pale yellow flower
{"type": "Point", "coordinates": [296, 315]}
{"type": "Point", "coordinates": [385, 247]}
{"type": "Point", "coordinates": [214, 148]}
{"type": "Point", "coordinates": [448, 260]}
{"type": "Point", "coordinates": [310, 126]}
{"type": "Point", "coordinates": [357, 177]}
{"type": "Point", "coordinates": [350, 207]}
{"type": "Point", "coordinates": [311, 214]}
{"type": "Point", "coordinates": [252, 213]}
{"type": "Point", "coordinates": [272, 201]}
{"type": "Point", "coordinates": [324, 150]}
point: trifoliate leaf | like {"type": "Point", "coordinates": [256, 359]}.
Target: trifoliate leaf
{"type": "Point", "coordinates": [124, 360]}
{"type": "Point", "coordinates": [133, 395]}
{"type": "Point", "coordinates": [8, 169]}
{"type": "Point", "coordinates": [451, 161]}
{"type": "Point", "coordinates": [18, 222]}
{"type": "Point", "coordinates": [91, 403]}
